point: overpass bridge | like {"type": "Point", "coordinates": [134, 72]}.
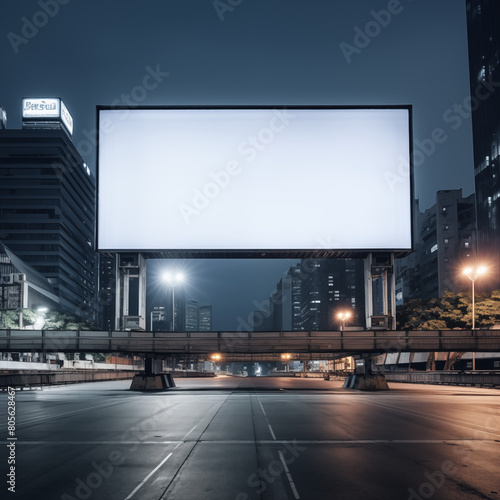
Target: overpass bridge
{"type": "Point", "coordinates": [323, 344]}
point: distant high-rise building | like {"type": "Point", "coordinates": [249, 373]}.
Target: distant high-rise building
{"type": "Point", "coordinates": [283, 304]}
{"type": "Point", "coordinates": [445, 243]}
{"type": "Point", "coordinates": [159, 319]}
{"type": "Point", "coordinates": [192, 316]}
{"type": "Point", "coordinates": [483, 21]}
{"type": "Point", "coordinates": [329, 287]}
{"type": "Point", "coordinates": [47, 212]}
{"type": "Point", "coordinates": [310, 296]}
{"type": "Point", "coordinates": [106, 297]}
{"type": "Point", "coordinates": [205, 318]}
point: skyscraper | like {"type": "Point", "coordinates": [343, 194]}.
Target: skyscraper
{"type": "Point", "coordinates": [445, 244]}
{"type": "Point", "coordinates": [205, 318]}
{"type": "Point", "coordinates": [192, 316]}
{"type": "Point", "coordinates": [483, 21]}
{"type": "Point", "coordinates": [47, 212]}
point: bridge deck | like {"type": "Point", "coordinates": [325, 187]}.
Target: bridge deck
{"type": "Point", "coordinates": [249, 342]}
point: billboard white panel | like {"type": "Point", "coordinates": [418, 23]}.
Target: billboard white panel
{"type": "Point", "coordinates": [254, 179]}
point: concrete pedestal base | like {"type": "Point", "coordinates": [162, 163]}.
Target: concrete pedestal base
{"type": "Point", "coordinates": [153, 382]}
{"type": "Point", "coordinates": [366, 382]}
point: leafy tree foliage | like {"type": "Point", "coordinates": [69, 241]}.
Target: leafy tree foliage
{"type": "Point", "coordinates": [449, 312]}
{"type": "Point", "coordinates": [53, 320]}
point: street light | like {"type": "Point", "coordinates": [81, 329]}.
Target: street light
{"type": "Point", "coordinates": [343, 316]}
{"type": "Point", "coordinates": [473, 274]}
{"type": "Point", "coordinates": [285, 359]}
{"type": "Point", "coordinates": [172, 280]}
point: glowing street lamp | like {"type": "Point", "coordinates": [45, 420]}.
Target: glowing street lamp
{"type": "Point", "coordinates": [343, 316]}
{"type": "Point", "coordinates": [173, 279]}
{"type": "Point", "coordinates": [473, 274]}
{"type": "Point", "coordinates": [285, 358]}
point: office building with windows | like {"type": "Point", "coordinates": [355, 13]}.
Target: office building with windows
{"type": "Point", "coordinates": [205, 318]}
{"type": "Point", "coordinates": [47, 212]}
{"type": "Point", "coordinates": [483, 23]}
{"type": "Point", "coordinates": [445, 245]}
{"type": "Point", "coordinates": [192, 316]}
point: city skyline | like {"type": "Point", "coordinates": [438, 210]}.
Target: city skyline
{"type": "Point", "coordinates": [332, 54]}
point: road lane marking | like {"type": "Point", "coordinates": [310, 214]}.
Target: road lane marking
{"type": "Point", "coordinates": [272, 433]}
{"type": "Point", "coordinates": [265, 416]}
{"type": "Point", "coordinates": [289, 476]}
{"type": "Point", "coordinates": [147, 477]}
{"type": "Point", "coordinates": [261, 441]}
{"type": "Point", "coordinates": [190, 432]}
{"type": "Point", "coordinates": [262, 408]}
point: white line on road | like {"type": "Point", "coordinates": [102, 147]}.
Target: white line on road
{"type": "Point", "coordinates": [267, 420]}
{"type": "Point", "coordinates": [289, 476]}
{"type": "Point", "coordinates": [272, 432]}
{"type": "Point", "coordinates": [147, 477]}
{"type": "Point", "coordinates": [261, 441]}
{"type": "Point", "coordinates": [190, 431]}
{"type": "Point", "coordinates": [263, 411]}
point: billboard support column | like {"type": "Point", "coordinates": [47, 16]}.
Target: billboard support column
{"type": "Point", "coordinates": [380, 291]}
{"type": "Point", "coordinates": [130, 301]}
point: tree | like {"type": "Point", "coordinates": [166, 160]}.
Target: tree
{"type": "Point", "coordinates": [449, 312]}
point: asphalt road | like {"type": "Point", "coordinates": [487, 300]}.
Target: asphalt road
{"type": "Point", "coordinates": [253, 438]}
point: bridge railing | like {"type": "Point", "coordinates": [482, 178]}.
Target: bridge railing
{"type": "Point", "coordinates": [248, 342]}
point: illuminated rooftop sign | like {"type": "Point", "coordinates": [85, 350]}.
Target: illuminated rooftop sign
{"type": "Point", "coordinates": [35, 109]}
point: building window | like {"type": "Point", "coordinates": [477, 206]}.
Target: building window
{"type": "Point", "coordinates": [446, 240]}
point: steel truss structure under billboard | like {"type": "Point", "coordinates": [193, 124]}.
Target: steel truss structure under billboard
{"type": "Point", "coordinates": [379, 279]}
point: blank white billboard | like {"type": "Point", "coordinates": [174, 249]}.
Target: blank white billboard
{"type": "Point", "coordinates": [248, 179]}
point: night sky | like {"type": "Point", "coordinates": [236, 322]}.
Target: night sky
{"type": "Point", "coordinates": [269, 52]}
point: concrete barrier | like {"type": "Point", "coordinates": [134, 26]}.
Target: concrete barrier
{"type": "Point", "coordinates": [483, 379]}
{"type": "Point", "coordinates": [59, 378]}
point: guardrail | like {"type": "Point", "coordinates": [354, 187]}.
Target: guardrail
{"type": "Point", "coordinates": [490, 379]}
{"type": "Point", "coordinates": [60, 377]}
{"type": "Point", "coordinates": [249, 342]}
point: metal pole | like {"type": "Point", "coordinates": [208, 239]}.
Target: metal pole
{"type": "Point", "coordinates": [473, 318]}
{"type": "Point", "coordinates": [173, 309]}
{"type": "Point", "coordinates": [473, 326]}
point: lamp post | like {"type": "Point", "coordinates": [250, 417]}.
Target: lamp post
{"type": "Point", "coordinates": [173, 280]}
{"type": "Point", "coordinates": [473, 274]}
{"type": "Point", "coordinates": [343, 316]}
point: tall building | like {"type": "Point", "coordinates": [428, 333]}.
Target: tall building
{"type": "Point", "coordinates": [445, 243]}
{"type": "Point", "coordinates": [312, 294]}
{"type": "Point", "coordinates": [47, 212]}
{"type": "Point", "coordinates": [106, 296]}
{"type": "Point", "coordinates": [192, 316]}
{"type": "Point", "coordinates": [483, 22]}
{"type": "Point", "coordinates": [205, 318]}
{"type": "Point", "coordinates": [328, 288]}
{"type": "Point", "coordinates": [159, 319]}
{"type": "Point", "coordinates": [283, 304]}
